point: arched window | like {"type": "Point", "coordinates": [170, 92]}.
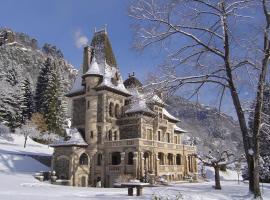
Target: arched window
{"type": "Point", "coordinates": [83, 159]}
{"type": "Point", "coordinates": [111, 110]}
{"type": "Point", "coordinates": [116, 158]}
{"type": "Point", "coordinates": [178, 159]}
{"type": "Point", "coordinates": [161, 158]}
{"type": "Point", "coordinates": [170, 159]}
{"type": "Point", "coordinates": [110, 135]}
{"type": "Point", "coordinates": [130, 158]}
{"type": "Point", "coordinates": [115, 135]}
{"type": "Point", "coordinates": [117, 111]}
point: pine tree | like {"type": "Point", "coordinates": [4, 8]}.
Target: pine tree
{"type": "Point", "coordinates": [264, 134]}
{"type": "Point", "coordinates": [27, 101]}
{"type": "Point", "coordinates": [54, 114]}
{"type": "Point", "coordinates": [42, 84]}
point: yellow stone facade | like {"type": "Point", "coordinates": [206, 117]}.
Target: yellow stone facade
{"type": "Point", "coordinates": [142, 143]}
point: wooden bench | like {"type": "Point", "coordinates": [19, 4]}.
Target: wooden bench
{"type": "Point", "coordinates": [138, 185]}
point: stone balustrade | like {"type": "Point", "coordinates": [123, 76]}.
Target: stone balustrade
{"type": "Point", "coordinates": [152, 143]}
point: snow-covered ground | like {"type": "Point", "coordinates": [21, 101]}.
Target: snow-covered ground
{"type": "Point", "coordinates": [15, 158]}
{"type": "Point", "coordinates": [17, 181]}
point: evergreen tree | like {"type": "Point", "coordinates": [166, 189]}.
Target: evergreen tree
{"type": "Point", "coordinates": [264, 135]}
{"type": "Point", "coordinates": [54, 113]}
{"type": "Point", "coordinates": [42, 84]}
{"type": "Point", "coordinates": [27, 101]}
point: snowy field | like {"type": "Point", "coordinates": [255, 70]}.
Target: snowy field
{"type": "Point", "coordinates": [17, 181]}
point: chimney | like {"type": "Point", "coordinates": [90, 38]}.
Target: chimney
{"type": "Point", "coordinates": [87, 54]}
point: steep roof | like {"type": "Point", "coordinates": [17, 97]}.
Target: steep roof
{"type": "Point", "coordinates": [73, 138]}
{"type": "Point", "coordinates": [77, 87]}
{"type": "Point", "coordinates": [112, 79]}
{"type": "Point", "coordinates": [169, 116]}
{"type": "Point", "coordinates": [103, 48]}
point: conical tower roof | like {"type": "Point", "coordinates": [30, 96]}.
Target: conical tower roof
{"type": "Point", "coordinates": [103, 49]}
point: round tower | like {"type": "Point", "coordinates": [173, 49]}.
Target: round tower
{"type": "Point", "coordinates": [91, 78]}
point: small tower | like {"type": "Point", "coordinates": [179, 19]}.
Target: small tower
{"type": "Point", "coordinates": [91, 78]}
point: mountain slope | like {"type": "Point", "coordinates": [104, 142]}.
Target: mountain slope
{"type": "Point", "coordinates": [21, 58]}
{"type": "Point", "coordinates": [207, 126]}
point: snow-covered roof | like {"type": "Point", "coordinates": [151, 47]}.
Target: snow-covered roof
{"type": "Point", "coordinates": [169, 116]}
{"type": "Point", "coordinates": [178, 129]}
{"type": "Point", "coordinates": [138, 102]}
{"type": "Point", "coordinates": [77, 86]}
{"type": "Point", "coordinates": [73, 138]}
{"type": "Point", "coordinates": [94, 68]}
{"type": "Point", "coordinates": [110, 73]}
{"type": "Point", "coordinates": [156, 99]}
{"type": "Point", "coordinates": [139, 106]}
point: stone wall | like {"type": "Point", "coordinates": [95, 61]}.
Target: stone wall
{"type": "Point", "coordinates": [78, 113]}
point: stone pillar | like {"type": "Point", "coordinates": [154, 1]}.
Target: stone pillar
{"type": "Point", "coordinates": [165, 159]}
{"type": "Point", "coordinates": [156, 164]}
{"type": "Point", "coordinates": [135, 164]}
{"type": "Point", "coordinates": [142, 164]}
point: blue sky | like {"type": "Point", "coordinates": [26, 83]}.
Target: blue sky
{"type": "Point", "coordinates": [62, 22]}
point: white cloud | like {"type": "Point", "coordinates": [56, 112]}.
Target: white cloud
{"type": "Point", "coordinates": [80, 39]}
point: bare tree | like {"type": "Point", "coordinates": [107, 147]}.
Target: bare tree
{"type": "Point", "coordinates": [218, 42]}
{"type": "Point", "coordinates": [217, 160]}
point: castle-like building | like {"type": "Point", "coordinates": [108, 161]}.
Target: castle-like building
{"type": "Point", "coordinates": [122, 129]}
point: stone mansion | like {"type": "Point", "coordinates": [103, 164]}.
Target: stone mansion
{"type": "Point", "coordinates": [118, 128]}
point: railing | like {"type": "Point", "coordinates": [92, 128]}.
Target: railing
{"type": "Point", "coordinates": [171, 168]}
{"type": "Point", "coordinates": [153, 143]}
{"type": "Point", "coordinates": [113, 168]}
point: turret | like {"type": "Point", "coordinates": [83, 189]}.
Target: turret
{"type": "Point", "coordinates": [91, 78]}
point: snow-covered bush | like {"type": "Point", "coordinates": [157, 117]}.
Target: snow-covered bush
{"type": "Point", "coordinates": [5, 132]}
{"type": "Point", "coordinates": [4, 129]}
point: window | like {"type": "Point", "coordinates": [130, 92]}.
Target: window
{"type": "Point", "coordinates": [99, 159]}
{"type": "Point", "coordinates": [130, 158]}
{"type": "Point", "coordinates": [178, 159]}
{"type": "Point", "coordinates": [110, 135]}
{"type": "Point", "coordinates": [116, 158]}
{"type": "Point", "coordinates": [161, 158]}
{"type": "Point", "coordinates": [91, 134]}
{"type": "Point", "coordinates": [115, 135]}
{"type": "Point", "coordinates": [170, 159]}
{"type": "Point", "coordinates": [159, 135]}
{"type": "Point", "coordinates": [117, 111]}
{"type": "Point", "coordinates": [88, 89]}
{"type": "Point", "coordinates": [83, 159]}
{"type": "Point", "coordinates": [111, 110]}
{"type": "Point", "coordinates": [88, 104]}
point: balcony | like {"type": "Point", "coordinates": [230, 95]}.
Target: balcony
{"type": "Point", "coordinates": [171, 168]}
{"type": "Point", "coordinates": [150, 143]}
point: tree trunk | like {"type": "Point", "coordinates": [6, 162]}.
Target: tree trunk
{"type": "Point", "coordinates": [25, 140]}
{"type": "Point", "coordinates": [217, 178]}
{"type": "Point", "coordinates": [235, 97]}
